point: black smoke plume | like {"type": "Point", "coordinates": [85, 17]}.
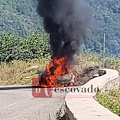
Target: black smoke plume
{"type": "Point", "coordinates": [67, 22]}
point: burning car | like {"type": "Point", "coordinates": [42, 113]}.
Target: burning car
{"type": "Point", "coordinates": [66, 22]}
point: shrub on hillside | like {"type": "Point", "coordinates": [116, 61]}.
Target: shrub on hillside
{"type": "Point", "coordinates": [14, 47]}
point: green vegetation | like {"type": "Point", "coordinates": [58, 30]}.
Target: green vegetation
{"type": "Point", "coordinates": [107, 19]}
{"type": "Point", "coordinates": [109, 101]}
{"type": "Point", "coordinates": [17, 48]}
{"type": "Point", "coordinates": [20, 17]}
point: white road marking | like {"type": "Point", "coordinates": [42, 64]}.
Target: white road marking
{"type": "Point", "coordinates": [15, 103]}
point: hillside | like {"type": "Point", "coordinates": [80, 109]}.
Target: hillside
{"type": "Point", "coordinates": [20, 16]}
{"type": "Point", "coordinates": [107, 19]}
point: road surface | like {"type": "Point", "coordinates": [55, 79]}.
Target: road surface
{"type": "Point", "coordinates": [19, 104]}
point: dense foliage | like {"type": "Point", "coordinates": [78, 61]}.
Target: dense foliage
{"type": "Point", "coordinates": [107, 19]}
{"type": "Point", "coordinates": [17, 48]}
{"type": "Point", "coordinates": [20, 17]}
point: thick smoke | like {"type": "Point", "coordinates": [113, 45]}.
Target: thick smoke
{"type": "Point", "coordinates": [67, 22]}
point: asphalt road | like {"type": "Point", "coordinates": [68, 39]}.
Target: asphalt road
{"type": "Point", "coordinates": [19, 104]}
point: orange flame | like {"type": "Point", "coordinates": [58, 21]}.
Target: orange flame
{"type": "Point", "coordinates": [56, 68]}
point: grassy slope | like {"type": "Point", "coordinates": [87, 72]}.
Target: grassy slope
{"type": "Point", "coordinates": [16, 71]}
{"type": "Point", "coordinates": [112, 102]}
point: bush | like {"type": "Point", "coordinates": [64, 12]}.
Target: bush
{"type": "Point", "coordinates": [14, 47]}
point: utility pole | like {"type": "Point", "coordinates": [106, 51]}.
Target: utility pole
{"type": "Point", "coordinates": [104, 52]}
